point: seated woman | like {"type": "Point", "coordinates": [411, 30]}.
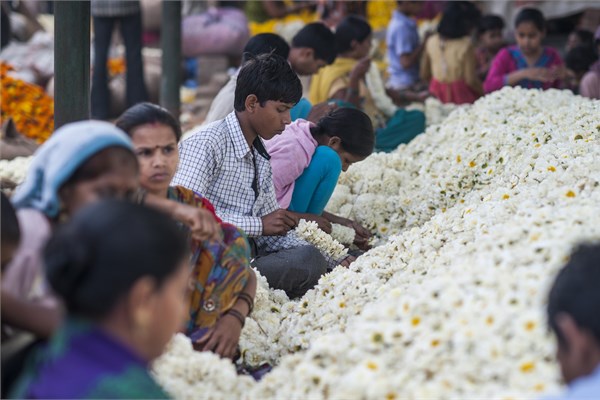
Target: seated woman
{"type": "Point", "coordinates": [122, 272]}
{"type": "Point", "coordinates": [346, 80]}
{"type": "Point", "coordinates": [307, 160]}
{"type": "Point", "coordinates": [224, 283]}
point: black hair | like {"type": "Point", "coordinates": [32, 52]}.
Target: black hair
{"type": "Point", "coordinates": [268, 77]}
{"type": "Point", "coordinates": [318, 37]}
{"type": "Point", "coordinates": [458, 19]}
{"type": "Point", "coordinates": [266, 43]}
{"type": "Point", "coordinates": [580, 58]}
{"type": "Point", "coordinates": [147, 113]}
{"type": "Point", "coordinates": [532, 15]}
{"type": "Point", "coordinates": [99, 163]}
{"type": "Point", "coordinates": [11, 233]}
{"type": "Point", "coordinates": [489, 23]}
{"type": "Point", "coordinates": [585, 37]}
{"type": "Point", "coordinates": [576, 292]}
{"type": "Point", "coordinates": [94, 259]}
{"type": "Point", "coordinates": [352, 28]}
{"type": "Point", "coordinates": [352, 126]}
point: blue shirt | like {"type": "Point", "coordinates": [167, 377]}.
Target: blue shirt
{"type": "Point", "coordinates": [586, 387]}
{"type": "Point", "coordinates": [402, 38]}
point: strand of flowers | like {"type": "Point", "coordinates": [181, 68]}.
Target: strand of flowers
{"type": "Point", "coordinates": [309, 231]}
{"type": "Point", "coordinates": [342, 234]}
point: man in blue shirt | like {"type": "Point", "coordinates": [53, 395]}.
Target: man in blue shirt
{"type": "Point", "coordinates": [574, 316]}
{"type": "Point", "coordinates": [404, 52]}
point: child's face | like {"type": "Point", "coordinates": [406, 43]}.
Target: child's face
{"type": "Point", "coordinates": [492, 39]}
{"type": "Point", "coordinates": [529, 38]}
{"type": "Point", "coordinates": [156, 150]}
{"type": "Point", "coordinates": [307, 64]}
{"type": "Point", "coordinates": [363, 48]}
{"type": "Point", "coordinates": [270, 120]}
{"type": "Point", "coordinates": [119, 181]}
{"type": "Point", "coordinates": [347, 158]}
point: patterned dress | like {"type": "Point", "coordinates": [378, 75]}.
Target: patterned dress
{"type": "Point", "coordinates": [220, 268]}
{"type": "Point", "coordinates": [83, 362]}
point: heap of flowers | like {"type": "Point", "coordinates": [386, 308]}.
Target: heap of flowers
{"type": "Point", "coordinates": [31, 109]}
{"type": "Point", "coordinates": [476, 216]}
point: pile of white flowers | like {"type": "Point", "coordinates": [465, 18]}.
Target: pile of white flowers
{"type": "Point", "coordinates": [476, 216]}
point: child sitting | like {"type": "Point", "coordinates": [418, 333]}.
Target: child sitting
{"type": "Point", "coordinates": [307, 160]}
{"type": "Point", "coordinates": [579, 37]}
{"type": "Point", "coordinates": [122, 272]}
{"type": "Point", "coordinates": [449, 61]}
{"type": "Point", "coordinates": [490, 42]}
{"type": "Point", "coordinates": [529, 64]}
{"type": "Point", "coordinates": [404, 52]}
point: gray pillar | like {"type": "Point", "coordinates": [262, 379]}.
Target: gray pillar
{"type": "Point", "coordinates": [71, 62]}
{"type": "Point", "coordinates": [170, 42]}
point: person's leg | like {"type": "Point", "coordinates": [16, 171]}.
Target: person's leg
{"type": "Point", "coordinates": [403, 127]}
{"type": "Point", "coordinates": [314, 187]}
{"type": "Point", "coordinates": [294, 271]}
{"type": "Point", "coordinates": [100, 96]}
{"type": "Point", "coordinates": [131, 31]}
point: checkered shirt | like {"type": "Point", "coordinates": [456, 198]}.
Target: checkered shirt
{"type": "Point", "coordinates": [114, 8]}
{"type": "Point", "coordinates": [217, 162]}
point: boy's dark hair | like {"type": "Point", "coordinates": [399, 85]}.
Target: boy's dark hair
{"type": "Point", "coordinates": [532, 15]}
{"type": "Point", "coordinates": [264, 43]}
{"type": "Point", "coordinates": [580, 58]}
{"type": "Point", "coordinates": [94, 259]}
{"type": "Point", "coordinates": [268, 77]}
{"type": "Point", "coordinates": [458, 19]}
{"type": "Point", "coordinates": [318, 37]}
{"type": "Point", "coordinates": [147, 113]}
{"type": "Point", "coordinates": [585, 37]}
{"type": "Point", "coordinates": [352, 126]}
{"type": "Point", "coordinates": [490, 23]}
{"type": "Point", "coordinates": [351, 28]}
{"type": "Point", "coordinates": [11, 233]}
{"type": "Point", "coordinates": [576, 292]}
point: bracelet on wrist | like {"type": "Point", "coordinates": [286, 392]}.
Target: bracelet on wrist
{"type": "Point", "coordinates": [237, 315]}
{"type": "Point", "coordinates": [246, 298]}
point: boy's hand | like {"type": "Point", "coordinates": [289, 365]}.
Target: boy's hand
{"type": "Point", "coordinates": [278, 223]}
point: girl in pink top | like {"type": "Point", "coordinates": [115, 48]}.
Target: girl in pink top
{"type": "Point", "coordinates": [307, 160]}
{"type": "Point", "coordinates": [528, 64]}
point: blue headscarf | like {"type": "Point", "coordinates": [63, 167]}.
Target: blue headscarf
{"type": "Point", "coordinates": [59, 157]}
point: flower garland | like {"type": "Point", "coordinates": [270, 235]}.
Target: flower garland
{"type": "Point", "coordinates": [309, 231]}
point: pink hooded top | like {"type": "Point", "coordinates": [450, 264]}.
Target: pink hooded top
{"type": "Point", "coordinates": [290, 152]}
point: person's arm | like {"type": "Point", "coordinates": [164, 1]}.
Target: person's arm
{"type": "Point", "coordinates": [362, 234]}
{"type": "Point", "coordinates": [407, 60]}
{"type": "Point", "coordinates": [224, 337]}
{"type": "Point", "coordinates": [425, 67]}
{"type": "Point", "coordinates": [497, 76]}
{"type": "Point", "coordinates": [348, 89]}
{"type": "Point", "coordinates": [324, 223]}
{"type": "Point", "coordinates": [202, 223]}
{"type": "Point", "coordinates": [38, 319]}
{"type": "Point", "coordinates": [470, 65]}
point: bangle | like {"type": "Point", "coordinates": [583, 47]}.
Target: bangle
{"type": "Point", "coordinates": [245, 297]}
{"type": "Point", "coordinates": [237, 315]}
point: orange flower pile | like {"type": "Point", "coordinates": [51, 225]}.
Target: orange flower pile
{"type": "Point", "coordinates": [31, 109]}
